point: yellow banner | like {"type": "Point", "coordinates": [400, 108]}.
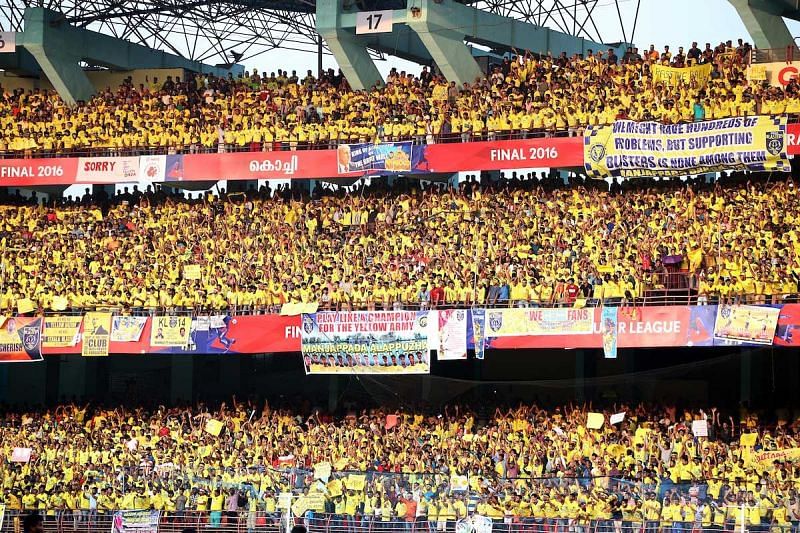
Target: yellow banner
{"type": "Point", "coordinates": [696, 76]}
{"type": "Point", "coordinates": [335, 488]}
{"type": "Point", "coordinates": [96, 334]}
{"type": "Point", "coordinates": [355, 482]}
{"type": "Point", "coordinates": [191, 272]}
{"type": "Point", "coordinates": [748, 323]}
{"type": "Point", "coordinates": [61, 331]}
{"type": "Point", "coordinates": [170, 331]}
{"type": "Point", "coordinates": [25, 306]}
{"type": "Point", "coordinates": [628, 149]}
{"type": "Point", "coordinates": [60, 303]}
{"type": "Point", "coordinates": [517, 322]}
{"type": "Point", "coordinates": [214, 427]}
{"type": "Point", "coordinates": [765, 459]}
{"type": "Point", "coordinates": [776, 74]}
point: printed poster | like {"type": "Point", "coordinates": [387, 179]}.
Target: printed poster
{"type": "Point", "coordinates": [535, 321]}
{"type": "Point", "coordinates": [20, 339]}
{"type": "Point", "coordinates": [629, 149]}
{"type": "Point", "coordinates": [749, 323]}
{"type": "Point", "coordinates": [609, 326]}
{"type": "Point", "coordinates": [96, 334]}
{"type": "Point", "coordinates": [365, 342]}
{"type": "Point", "coordinates": [61, 331]}
{"type": "Point", "coordinates": [136, 522]}
{"type": "Point", "coordinates": [127, 328]}
{"type": "Point", "coordinates": [170, 331]}
{"type": "Point", "coordinates": [391, 157]}
{"type": "Point", "coordinates": [479, 332]}
{"type": "Point", "coordinates": [452, 334]}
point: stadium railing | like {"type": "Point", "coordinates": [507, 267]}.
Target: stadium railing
{"type": "Point", "coordinates": [278, 146]}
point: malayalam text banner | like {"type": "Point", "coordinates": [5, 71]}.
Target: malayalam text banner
{"type": "Point", "coordinates": [629, 149]}
{"type": "Point", "coordinates": [365, 342]}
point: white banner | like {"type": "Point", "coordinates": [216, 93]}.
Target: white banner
{"type": "Point", "coordinates": [452, 335]}
{"type": "Point", "coordinates": [107, 170]}
{"type": "Point", "coordinates": [8, 42]}
{"type": "Point", "coordinates": [153, 167]}
{"type": "Point", "coordinates": [135, 522]}
{"type": "Point", "coordinates": [374, 21]}
{"type": "Point", "coordinates": [127, 328]}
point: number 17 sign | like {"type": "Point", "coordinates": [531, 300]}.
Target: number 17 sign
{"type": "Point", "coordinates": [374, 21]}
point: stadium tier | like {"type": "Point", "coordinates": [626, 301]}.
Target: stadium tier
{"type": "Point", "coordinates": [525, 469]}
{"type": "Point", "coordinates": [526, 96]}
{"type": "Point", "coordinates": [516, 242]}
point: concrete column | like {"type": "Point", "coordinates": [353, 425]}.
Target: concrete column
{"type": "Point", "coordinates": [350, 53]}
{"type": "Point", "coordinates": [182, 378]}
{"type": "Point", "coordinates": [764, 23]}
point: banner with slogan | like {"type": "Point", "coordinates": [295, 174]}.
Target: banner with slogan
{"type": "Point", "coordinates": [136, 522]}
{"type": "Point", "coordinates": [390, 156]}
{"type": "Point", "coordinates": [610, 329]}
{"type": "Point", "coordinates": [452, 324]}
{"type": "Point", "coordinates": [127, 328]}
{"type": "Point", "coordinates": [20, 339]}
{"type": "Point", "coordinates": [696, 76]}
{"type": "Point", "coordinates": [534, 321]}
{"type": "Point", "coordinates": [750, 323]}
{"type": "Point", "coordinates": [61, 331]}
{"type": "Point", "coordinates": [766, 459]}
{"type": "Point", "coordinates": [170, 330]}
{"type": "Point", "coordinates": [778, 74]}
{"type": "Point", "coordinates": [628, 149]}
{"type": "Point", "coordinates": [96, 334]}
{"type": "Point", "coordinates": [365, 342]}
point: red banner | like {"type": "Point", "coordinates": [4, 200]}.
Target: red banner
{"type": "Point", "coordinates": [236, 335]}
{"type": "Point", "coordinates": [639, 327]}
{"type": "Point", "coordinates": [793, 139]}
{"type": "Point", "coordinates": [556, 152]}
{"type": "Point", "coordinates": [31, 172]}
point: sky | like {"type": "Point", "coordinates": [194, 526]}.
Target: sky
{"type": "Point", "coordinates": [661, 22]}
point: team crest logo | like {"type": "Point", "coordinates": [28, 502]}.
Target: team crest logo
{"type": "Point", "coordinates": [423, 321]}
{"type": "Point", "coordinates": [775, 142]}
{"type": "Point", "coordinates": [725, 312]}
{"type": "Point", "coordinates": [173, 322]}
{"type": "Point", "coordinates": [31, 337]}
{"type": "Point", "coordinates": [460, 315]}
{"type": "Point", "coordinates": [495, 321]}
{"type": "Point", "coordinates": [597, 152]}
{"type": "Point", "coordinates": [308, 324]}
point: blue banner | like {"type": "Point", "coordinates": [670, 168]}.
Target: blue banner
{"type": "Point", "coordinates": [392, 157]}
{"type": "Point", "coordinates": [609, 326]}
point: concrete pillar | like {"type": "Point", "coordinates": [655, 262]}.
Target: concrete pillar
{"type": "Point", "coordinates": [745, 376]}
{"type": "Point", "coordinates": [432, 22]}
{"type": "Point", "coordinates": [351, 54]}
{"type": "Point", "coordinates": [182, 378]}
{"type": "Point", "coordinates": [56, 54]}
{"type": "Point", "coordinates": [764, 23]}
{"type": "Point", "coordinates": [72, 377]}
{"type": "Point", "coordinates": [580, 376]}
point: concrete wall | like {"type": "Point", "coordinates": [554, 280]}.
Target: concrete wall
{"type": "Point", "coordinates": [99, 78]}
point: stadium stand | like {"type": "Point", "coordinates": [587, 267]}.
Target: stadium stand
{"type": "Point", "coordinates": [526, 468]}
{"type": "Point", "coordinates": [525, 96]}
{"type": "Point", "coordinates": [520, 241]}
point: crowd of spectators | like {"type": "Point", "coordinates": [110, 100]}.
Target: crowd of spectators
{"type": "Point", "coordinates": [526, 95]}
{"type": "Point", "coordinates": [520, 241]}
{"type": "Point", "coordinates": [527, 464]}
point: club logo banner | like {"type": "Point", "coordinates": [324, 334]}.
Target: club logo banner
{"type": "Point", "coordinates": [61, 331]}
{"type": "Point", "coordinates": [452, 325]}
{"type": "Point", "coordinates": [749, 323]}
{"type": "Point", "coordinates": [522, 321]}
{"type": "Point", "coordinates": [127, 328]}
{"type": "Point", "coordinates": [671, 76]}
{"type": "Point", "coordinates": [20, 339]}
{"type": "Point", "coordinates": [170, 330]}
{"type": "Point", "coordinates": [96, 334]}
{"type": "Point", "coordinates": [365, 342]}
{"type": "Point", "coordinates": [478, 332]}
{"type": "Point", "coordinates": [391, 157]}
{"type": "Point", "coordinates": [630, 149]}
